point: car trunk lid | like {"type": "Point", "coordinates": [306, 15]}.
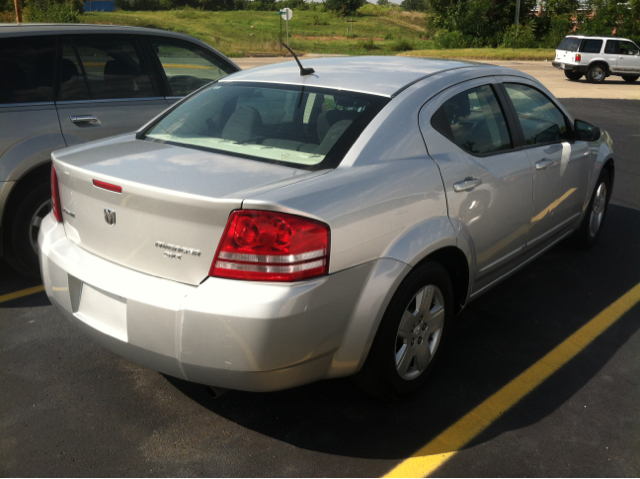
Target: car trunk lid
{"type": "Point", "coordinates": [173, 206]}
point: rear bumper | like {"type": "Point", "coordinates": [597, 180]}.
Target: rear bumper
{"type": "Point", "coordinates": [570, 67]}
{"type": "Point", "coordinates": [227, 333]}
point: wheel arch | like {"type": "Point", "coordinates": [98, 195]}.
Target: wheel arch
{"type": "Point", "coordinates": [36, 175]}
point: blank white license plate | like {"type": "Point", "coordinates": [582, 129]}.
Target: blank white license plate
{"type": "Point", "coordinates": [103, 311]}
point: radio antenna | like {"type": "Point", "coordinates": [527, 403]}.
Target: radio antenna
{"type": "Point", "coordinates": [303, 71]}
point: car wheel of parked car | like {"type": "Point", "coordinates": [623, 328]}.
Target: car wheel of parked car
{"type": "Point", "coordinates": [24, 230]}
{"type": "Point", "coordinates": [630, 78]}
{"type": "Point", "coordinates": [596, 73]}
{"type": "Point", "coordinates": [410, 336]}
{"type": "Point", "coordinates": [589, 230]}
{"type": "Point", "coordinates": [573, 76]}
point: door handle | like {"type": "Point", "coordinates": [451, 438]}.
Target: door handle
{"type": "Point", "coordinates": [466, 184]}
{"type": "Point", "coordinates": [83, 119]}
{"type": "Point", "coordinates": [543, 164]}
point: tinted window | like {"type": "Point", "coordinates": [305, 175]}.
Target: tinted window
{"type": "Point", "coordinates": [628, 48]}
{"type": "Point", "coordinates": [297, 126]}
{"type": "Point", "coordinates": [591, 46]}
{"type": "Point", "coordinates": [569, 44]}
{"type": "Point", "coordinates": [474, 121]}
{"type": "Point", "coordinates": [541, 121]}
{"type": "Point", "coordinates": [611, 46]}
{"type": "Point", "coordinates": [114, 67]}
{"type": "Point", "coordinates": [187, 67]}
{"type": "Point", "coordinates": [26, 69]}
{"type": "Point", "coordinates": [73, 85]}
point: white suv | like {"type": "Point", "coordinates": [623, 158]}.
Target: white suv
{"type": "Point", "coordinates": [597, 58]}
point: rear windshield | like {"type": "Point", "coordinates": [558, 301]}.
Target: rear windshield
{"type": "Point", "coordinates": [569, 44]}
{"type": "Point", "coordinates": [303, 127]}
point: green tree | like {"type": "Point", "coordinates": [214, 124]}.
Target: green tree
{"type": "Point", "coordinates": [415, 5]}
{"type": "Point", "coordinates": [383, 3]}
{"type": "Point", "coordinates": [484, 22]}
{"type": "Point", "coordinates": [344, 7]}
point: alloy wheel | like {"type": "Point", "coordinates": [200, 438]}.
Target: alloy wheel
{"type": "Point", "coordinates": [419, 332]}
{"type": "Point", "coordinates": [597, 209]}
{"type": "Point", "coordinates": [34, 224]}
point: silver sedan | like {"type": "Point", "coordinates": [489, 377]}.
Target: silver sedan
{"type": "Point", "coordinates": [285, 225]}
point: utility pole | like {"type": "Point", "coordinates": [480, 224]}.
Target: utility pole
{"type": "Point", "coordinates": [18, 4]}
{"type": "Point", "coordinates": [517, 20]}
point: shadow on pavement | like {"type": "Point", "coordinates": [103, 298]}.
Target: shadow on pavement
{"type": "Point", "coordinates": [495, 339]}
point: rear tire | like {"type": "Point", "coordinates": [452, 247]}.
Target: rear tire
{"type": "Point", "coordinates": [22, 252]}
{"type": "Point", "coordinates": [411, 335]}
{"type": "Point", "coordinates": [589, 231]}
{"type": "Point", "coordinates": [573, 76]}
{"type": "Point", "coordinates": [630, 78]}
{"type": "Point", "coordinates": [596, 73]}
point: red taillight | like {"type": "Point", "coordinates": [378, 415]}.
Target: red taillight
{"type": "Point", "coordinates": [56, 206]}
{"type": "Point", "coordinates": [270, 246]}
{"type": "Point", "coordinates": [578, 57]}
{"type": "Point", "coordinates": [107, 186]}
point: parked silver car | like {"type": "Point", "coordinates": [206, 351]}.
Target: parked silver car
{"type": "Point", "coordinates": [62, 85]}
{"type": "Point", "coordinates": [280, 227]}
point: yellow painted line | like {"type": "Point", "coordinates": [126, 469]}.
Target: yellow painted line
{"type": "Point", "coordinates": [426, 460]}
{"type": "Point", "coordinates": [20, 294]}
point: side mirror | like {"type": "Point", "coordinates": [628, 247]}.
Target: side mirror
{"type": "Point", "coordinates": [585, 131]}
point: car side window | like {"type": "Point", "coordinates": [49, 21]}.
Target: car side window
{"type": "Point", "coordinates": [26, 66]}
{"type": "Point", "coordinates": [188, 67]}
{"type": "Point", "coordinates": [591, 46]}
{"type": "Point", "coordinates": [611, 47]}
{"type": "Point", "coordinates": [113, 65]}
{"type": "Point", "coordinates": [541, 120]}
{"type": "Point", "coordinates": [628, 48]}
{"type": "Point", "coordinates": [474, 121]}
{"type": "Point", "coordinates": [73, 85]}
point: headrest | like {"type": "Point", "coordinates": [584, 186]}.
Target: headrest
{"type": "Point", "coordinates": [119, 67]}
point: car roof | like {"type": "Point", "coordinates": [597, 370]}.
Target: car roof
{"type": "Point", "coordinates": [596, 37]}
{"type": "Point", "coordinates": [31, 29]}
{"type": "Point", "coordinates": [378, 75]}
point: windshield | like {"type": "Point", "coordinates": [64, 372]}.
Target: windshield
{"type": "Point", "coordinates": [297, 126]}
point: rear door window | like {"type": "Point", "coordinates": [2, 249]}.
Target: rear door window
{"type": "Point", "coordinates": [474, 121]}
{"type": "Point", "coordinates": [26, 69]}
{"type": "Point", "coordinates": [188, 67]}
{"type": "Point", "coordinates": [541, 120]}
{"type": "Point", "coordinates": [569, 44]}
{"type": "Point", "coordinates": [611, 47]}
{"type": "Point", "coordinates": [112, 66]}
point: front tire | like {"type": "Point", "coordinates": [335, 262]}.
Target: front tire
{"type": "Point", "coordinates": [589, 231]}
{"type": "Point", "coordinates": [411, 335]}
{"type": "Point", "coordinates": [23, 254]}
{"type": "Point", "coordinates": [573, 76]}
{"type": "Point", "coordinates": [630, 78]}
{"type": "Point", "coordinates": [596, 73]}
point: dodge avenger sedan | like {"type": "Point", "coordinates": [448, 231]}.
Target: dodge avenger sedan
{"type": "Point", "coordinates": [285, 225]}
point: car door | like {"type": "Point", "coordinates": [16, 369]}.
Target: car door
{"type": "Point", "coordinates": [487, 178]}
{"type": "Point", "coordinates": [562, 166]}
{"type": "Point", "coordinates": [628, 61]}
{"type": "Point", "coordinates": [105, 87]}
{"type": "Point", "coordinates": [184, 67]}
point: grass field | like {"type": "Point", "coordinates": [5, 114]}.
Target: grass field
{"type": "Point", "coordinates": [247, 33]}
{"type": "Point", "coordinates": [487, 53]}
{"type": "Point", "coordinates": [251, 33]}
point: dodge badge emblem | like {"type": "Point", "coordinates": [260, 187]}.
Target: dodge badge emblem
{"type": "Point", "coordinates": [110, 216]}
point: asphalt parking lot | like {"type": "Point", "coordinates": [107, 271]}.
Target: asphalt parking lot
{"type": "Point", "coordinates": [71, 408]}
